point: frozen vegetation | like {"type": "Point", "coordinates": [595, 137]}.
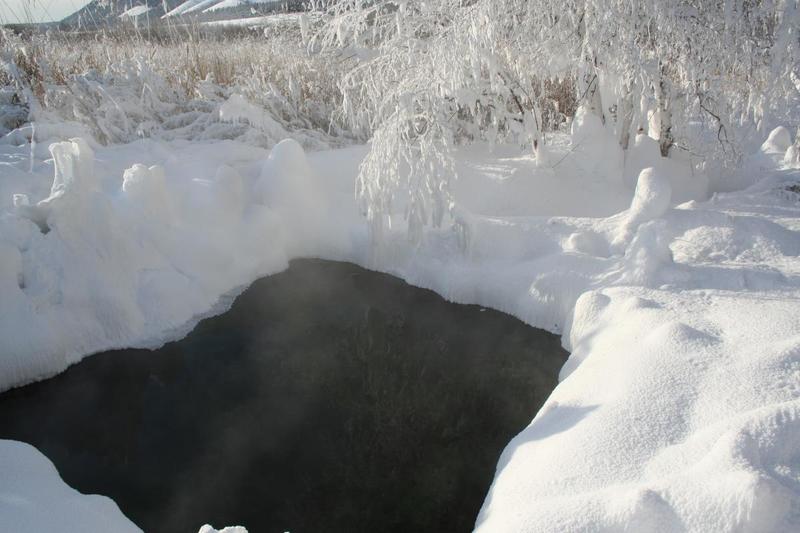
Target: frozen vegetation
{"type": "Point", "coordinates": [625, 175]}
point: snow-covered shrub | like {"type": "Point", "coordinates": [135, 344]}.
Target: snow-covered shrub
{"type": "Point", "coordinates": [703, 78]}
{"type": "Point", "coordinates": [120, 87]}
{"type": "Point", "coordinates": [409, 165]}
{"type": "Point", "coordinates": [652, 197]}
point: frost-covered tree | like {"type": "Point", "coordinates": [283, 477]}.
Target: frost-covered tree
{"type": "Point", "coordinates": [699, 75]}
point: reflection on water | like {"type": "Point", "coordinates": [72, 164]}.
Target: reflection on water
{"type": "Point", "coordinates": [329, 398]}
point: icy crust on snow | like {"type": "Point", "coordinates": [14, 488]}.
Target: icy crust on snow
{"type": "Point", "coordinates": [678, 406]}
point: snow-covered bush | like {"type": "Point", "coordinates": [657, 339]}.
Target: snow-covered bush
{"type": "Point", "coordinates": [705, 78]}
{"type": "Point", "coordinates": [122, 86]}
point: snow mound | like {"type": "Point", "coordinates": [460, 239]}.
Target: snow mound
{"type": "Point", "coordinates": [651, 201]}
{"type": "Point", "coordinates": [146, 189]}
{"type": "Point", "coordinates": [238, 110]}
{"type": "Point", "coordinates": [100, 264]}
{"type": "Point", "coordinates": [34, 498]}
{"type": "Point", "coordinates": [777, 151]}
{"type": "Point", "coordinates": [652, 197]}
{"type": "Point", "coordinates": [588, 471]}
{"type": "Point", "coordinates": [596, 146]}
{"type": "Point", "coordinates": [778, 142]}
{"type": "Point", "coordinates": [644, 153]}
{"type": "Point", "coordinates": [233, 529]}
{"type": "Point", "coordinates": [285, 176]}
{"type": "Point", "coordinates": [687, 183]}
{"type": "Point", "coordinates": [74, 167]}
{"type": "Point", "coordinates": [287, 187]}
{"type": "Point", "coordinates": [791, 158]}
{"type": "Point", "coordinates": [588, 242]}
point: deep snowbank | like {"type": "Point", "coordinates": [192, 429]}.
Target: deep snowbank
{"type": "Point", "coordinates": [99, 263]}
{"type": "Point", "coordinates": [679, 412]}
{"type": "Point", "coordinates": [677, 409]}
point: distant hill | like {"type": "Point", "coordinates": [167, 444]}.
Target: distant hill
{"type": "Point", "coordinates": [106, 13]}
{"type": "Point", "coordinates": [102, 13]}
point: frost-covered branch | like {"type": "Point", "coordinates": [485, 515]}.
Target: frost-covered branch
{"type": "Point", "coordinates": [484, 65]}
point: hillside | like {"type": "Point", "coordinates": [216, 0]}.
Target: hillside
{"type": "Point", "coordinates": [107, 13]}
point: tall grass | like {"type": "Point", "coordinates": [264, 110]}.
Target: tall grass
{"type": "Point", "coordinates": [169, 81]}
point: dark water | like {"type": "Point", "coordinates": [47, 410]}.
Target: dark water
{"type": "Point", "coordinates": [328, 398]}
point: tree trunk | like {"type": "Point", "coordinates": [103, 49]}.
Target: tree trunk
{"type": "Point", "coordinates": [625, 115]}
{"type": "Point", "coordinates": [664, 103]}
{"type": "Point", "coordinates": [590, 91]}
{"type": "Point", "coordinates": [588, 77]}
{"type": "Point", "coordinates": [792, 157]}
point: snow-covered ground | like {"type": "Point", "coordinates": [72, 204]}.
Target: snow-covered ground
{"type": "Point", "coordinates": [253, 22]}
{"type": "Point", "coordinates": [677, 410]}
{"type": "Point", "coordinates": [196, 6]}
{"type": "Point", "coordinates": [34, 498]}
{"type": "Point", "coordinates": [135, 11]}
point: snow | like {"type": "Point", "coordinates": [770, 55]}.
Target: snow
{"type": "Point", "coordinates": [710, 444]}
{"type": "Point", "coordinates": [651, 199]}
{"type": "Point", "coordinates": [235, 529]}
{"type": "Point", "coordinates": [591, 143]}
{"type": "Point", "coordinates": [238, 110]}
{"type": "Point", "coordinates": [201, 6]}
{"type": "Point", "coordinates": [678, 408]}
{"type": "Point", "coordinates": [34, 498]}
{"type": "Point", "coordinates": [265, 20]}
{"type": "Point", "coordinates": [685, 182]}
{"type": "Point", "coordinates": [183, 8]}
{"type": "Point", "coordinates": [224, 4]}
{"type": "Point", "coordinates": [778, 142]}
{"type": "Point", "coordinates": [106, 261]}
{"type": "Point", "coordinates": [206, 6]}
{"type": "Point", "coordinates": [135, 11]}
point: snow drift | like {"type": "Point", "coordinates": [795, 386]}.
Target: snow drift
{"type": "Point", "coordinates": [33, 498]}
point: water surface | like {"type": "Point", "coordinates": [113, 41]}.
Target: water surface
{"type": "Point", "coordinates": [328, 398]}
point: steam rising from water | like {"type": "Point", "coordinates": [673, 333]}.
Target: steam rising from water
{"type": "Point", "coordinates": [328, 398]}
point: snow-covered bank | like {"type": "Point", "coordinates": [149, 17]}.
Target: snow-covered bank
{"type": "Point", "coordinates": [679, 412]}
{"type": "Point", "coordinates": [34, 498]}
{"type": "Point", "coordinates": [121, 261]}
{"type": "Point", "coordinates": [677, 408]}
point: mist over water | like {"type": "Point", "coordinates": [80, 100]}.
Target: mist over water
{"type": "Point", "coordinates": [328, 398]}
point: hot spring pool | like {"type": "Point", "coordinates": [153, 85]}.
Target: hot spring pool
{"type": "Point", "coordinates": [328, 398]}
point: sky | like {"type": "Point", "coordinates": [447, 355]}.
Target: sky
{"type": "Point", "coordinates": [38, 10]}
